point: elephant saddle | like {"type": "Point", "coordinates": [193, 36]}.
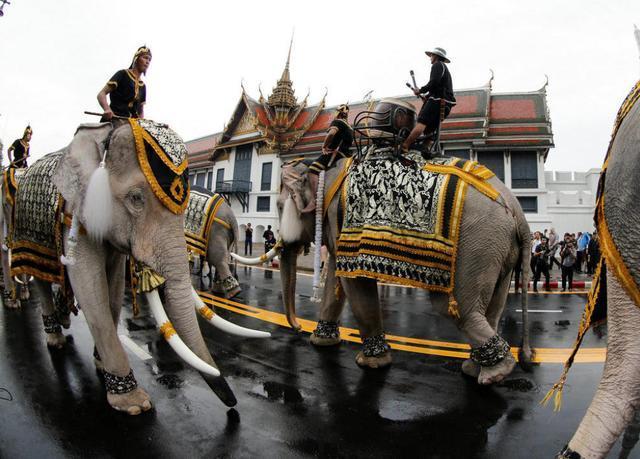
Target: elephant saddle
{"type": "Point", "coordinates": [35, 230]}
{"type": "Point", "coordinates": [401, 220]}
{"type": "Point", "coordinates": [198, 218]}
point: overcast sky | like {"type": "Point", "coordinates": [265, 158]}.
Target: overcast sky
{"type": "Point", "coordinates": [56, 55]}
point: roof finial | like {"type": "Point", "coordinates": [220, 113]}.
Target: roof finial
{"type": "Point", "coordinates": [490, 82]}
{"type": "Point", "coordinates": [546, 83]}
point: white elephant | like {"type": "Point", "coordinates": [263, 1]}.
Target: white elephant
{"type": "Point", "coordinates": [617, 398]}
{"type": "Point", "coordinates": [125, 186]}
{"type": "Point", "coordinates": [493, 236]}
{"type": "Point", "coordinates": [211, 230]}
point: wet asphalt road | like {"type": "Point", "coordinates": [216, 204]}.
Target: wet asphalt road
{"type": "Point", "coordinates": [294, 400]}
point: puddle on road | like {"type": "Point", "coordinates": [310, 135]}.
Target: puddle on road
{"type": "Point", "coordinates": [278, 392]}
{"type": "Point", "coordinates": [171, 381]}
{"type": "Point", "coordinates": [401, 411]}
{"type": "Point", "coordinates": [517, 384]}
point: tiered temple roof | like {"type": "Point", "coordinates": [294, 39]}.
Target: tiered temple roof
{"type": "Point", "coordinates": [482, 120]}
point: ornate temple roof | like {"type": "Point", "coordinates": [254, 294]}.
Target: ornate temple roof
{"type": "Point", "coordinates": [482, 120]}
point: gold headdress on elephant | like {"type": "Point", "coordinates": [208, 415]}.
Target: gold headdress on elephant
{"type": "Point", "coordinates": [140, 52]}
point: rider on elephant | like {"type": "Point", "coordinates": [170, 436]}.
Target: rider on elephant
{"type": "Point", "coordinates": [440, 96]}
{"type": "Point", "coordinates": [336, 146]}
{"type": "Point", "coordinates": [127, 92]}
{"type": "Point", "coordinates": [20, 149]}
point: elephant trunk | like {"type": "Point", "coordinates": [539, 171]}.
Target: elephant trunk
{"type": "Point", "coordinates": [288, 265]}
{"type": "Point", "coordinates": [173, 266]}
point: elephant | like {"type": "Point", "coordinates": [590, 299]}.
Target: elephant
{"type": "Point", "coordinates": [617, 396]}
{"type": "Point", "coordinates": [211, 230]}
{"type": "Point", "coordinates": [119, 208]}
{"type": "Point", "coordinates": [493, 236]}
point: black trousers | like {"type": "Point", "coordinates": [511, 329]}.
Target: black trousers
{"type": "Point", "coordinates": [248, 244]}
{"type": "Point", "coordinates": [541, 268]}
{"type": "Point", "coordinates": [567, 273]}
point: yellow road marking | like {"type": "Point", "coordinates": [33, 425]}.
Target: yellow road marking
{"type": "Point", "coordinates": [403, 343]}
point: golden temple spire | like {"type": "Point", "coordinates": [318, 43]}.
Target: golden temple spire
{"type": "Point", "coordinates": [283, 94]}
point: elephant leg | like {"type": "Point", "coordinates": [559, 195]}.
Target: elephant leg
{"type": "Point", "coordinates": [116, 269]}
{"type": "Point", "coordinates": [89, 281]}
{"type": "Point", "coordinates": [11, 299]}
{"type": "Point", "coordinates": [494, 313]}
{"type": "Point", "coordinates": [365, 304]}
{"type": "Point", "coordinates": [488, 349]}
{"type": "Point", "coordinates": [618, 394]}
{"type": "Point", "coordinates": [327, 332]}
{"type": "Point", "coordinates": [220, 259]}
{"type": "Point", "coordinates": [52, 326]}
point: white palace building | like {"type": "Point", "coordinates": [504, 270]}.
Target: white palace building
{"type": "Point", "coordinates": [510, 133]}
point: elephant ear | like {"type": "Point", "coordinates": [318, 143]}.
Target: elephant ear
{"type": "Point", "coordinates": [293, 181]}
{"type": "Point", "coordinates": [78, 165]}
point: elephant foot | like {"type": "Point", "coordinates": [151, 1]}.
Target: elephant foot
{"type": "Point", "coordinates": [12, 304]}
{"type": "Point", "coordinates": [378, 361]}
{"type": "Point", "coordinates": [132, 403]}
{"type": "Point", "coordinates": [470, 368]}
{"type": "Point", "coordinates": [56, 340]}
{"type": "Point", "coordinates": [497, 372]}
{"type": "Point", "coordinates": [322, 341]}
{"type": "Point", "coordinates": [233, 292]}
{"type": "Point", "coordinates": [327, 333]}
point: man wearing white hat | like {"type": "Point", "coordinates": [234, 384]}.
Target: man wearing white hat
{"type": "Point", "coordinates": [439, 99]}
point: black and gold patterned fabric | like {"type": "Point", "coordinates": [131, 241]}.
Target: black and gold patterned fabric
{"type": "Point", "coordinates": [198, 218]}
{"type": "Point", "coordinates": [401, 222]}
{"type": "Point", "coordinates": [36, 241]}
{"type": "Point", "coordinates": [163, 159]}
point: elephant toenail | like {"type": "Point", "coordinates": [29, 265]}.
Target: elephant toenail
{"type": "Point", "coordinates": [134, 410]}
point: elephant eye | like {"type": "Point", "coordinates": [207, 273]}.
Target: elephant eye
{"type": "Point", "coordinates": [136, 198]}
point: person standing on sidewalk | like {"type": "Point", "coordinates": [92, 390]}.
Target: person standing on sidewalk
{"type": "Point", "coordinates": [593, 254]}
{"type": "Point", "coordinates": [535, 241]}
{"type": "Point", "coordinates": [541, 262]}
{"type": "Point", "coordinates": [248, 240]}
{"type": "Point", "coordinates": [267, 236]}
{"type": "Point", "coordinates": [568, 255]}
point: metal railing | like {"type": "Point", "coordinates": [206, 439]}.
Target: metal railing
{"type": "Point", "coordinates": [233, 186]}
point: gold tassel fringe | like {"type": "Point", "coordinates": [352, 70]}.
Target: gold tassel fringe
{"type": "Point", "coordinates": [453, 309]}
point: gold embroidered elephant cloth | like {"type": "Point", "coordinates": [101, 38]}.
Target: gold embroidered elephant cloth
{"type": "Point", "coordinates": [36, 229]}
{"type": "Point", "coordinates": [401, 223]}
{"type": "Point", "coordinates": [162, 156]}
{"type": "Point", "coordinates": [198, 217]}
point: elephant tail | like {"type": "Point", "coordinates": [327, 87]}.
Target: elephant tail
{"type": "Point", "coordinates": [234, 236]}
{"type": "Point", "coordinates": [525, 354]}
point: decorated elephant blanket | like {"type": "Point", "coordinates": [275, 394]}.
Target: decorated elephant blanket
{"type": "Point", "coordinates": [162, 156]}
{"type": "Point", "coordinates": [401, 223]}
{"type": "Point", "coordinates": [36, 229]}
{"type": "Point", "coordinates": [198, 218]}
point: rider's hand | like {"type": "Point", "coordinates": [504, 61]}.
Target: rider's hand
{"type": "Point", "coordinates": [108, 114]}
{"type": "Point", "coordinates": [416, 91]}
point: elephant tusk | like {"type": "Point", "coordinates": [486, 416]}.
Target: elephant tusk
{"type": "Point", "coordinates": [173, 339]}
{"type": "Point", "coordinates": [270, 255]}
{"type": "Point", "coordinates": [18, 280]}
{"type": "Point", "coordinates": [222, 324]}
{"type": "Point", "coordinates": [31, 279]}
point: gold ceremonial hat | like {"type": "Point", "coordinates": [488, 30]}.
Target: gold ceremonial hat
{"type": "Point", "coordinates": [142, 50]}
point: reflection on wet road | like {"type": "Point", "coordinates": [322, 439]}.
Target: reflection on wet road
{"type": "Point", "coordinates": [295, 400]}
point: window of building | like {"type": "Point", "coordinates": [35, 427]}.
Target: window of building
{"type": "Point", "coordinates": [464, 154]}
{"type": "Point", "coordinates": [529, 204]}
{"type": "Point", "coordinates": [494, 160]}
{"type": "Point", "coordinates": [209, 180]}
{"type": "Point", "coordinates": [219, 179]}
{"type": "Point", "coordinates": [265, 182]}
{"type": "Point", "coordinates": [242, 166]}
{"type": "Point", "coordinates": [192, 178]}
{"type": "Point", "coordinates": [263, 204]}
{"type": "Point", "coordinates": [200, 176]}
{"type": "Point", "coordinates": [524, 169]}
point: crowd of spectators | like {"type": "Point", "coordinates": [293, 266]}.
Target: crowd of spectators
{"type": "Point", "coordinates": [572, 254]}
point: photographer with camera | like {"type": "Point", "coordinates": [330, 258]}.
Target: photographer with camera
{"type": "Point", "coordinates": [568, 254]}
{"type": "Point", "coordinates": [541, 257]}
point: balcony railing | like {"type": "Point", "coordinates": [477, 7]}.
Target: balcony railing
{"type": "Point", "coordinates": [233, 186]}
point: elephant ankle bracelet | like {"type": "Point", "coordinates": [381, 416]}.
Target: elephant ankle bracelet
{"type": "Point", "coordinates": [491, 352]}
{"type": "Point", "coordinates": [51, 324]}
{"type": "Point", "coordinates": [327, 329]}
{"type": "Point", "coordinates": [119, 384]}
{"type": "Point", "coordinates": [568, 453]}
{"type": "Point", "coordinates": [374, 346]}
